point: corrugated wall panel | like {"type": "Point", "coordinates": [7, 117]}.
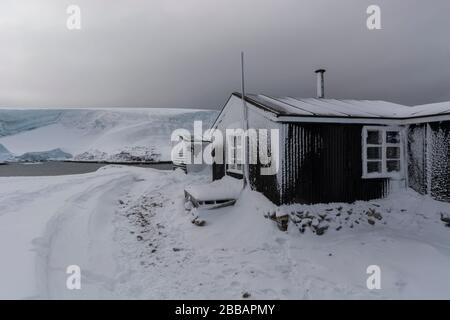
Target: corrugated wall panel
{"type": "Point", "coordinates": [440, 160]}
{"type": "Point", "coordinates": [417, 175]}
{"type": "Point", "coordinates": [324, 165]}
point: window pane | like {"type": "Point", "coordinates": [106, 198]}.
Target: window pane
{"type": "Point", "coordinates": [393, 165]}
{"type": "Point", "coordinates": [239, 156]}
{"type": "Point", "coordinates": [393, 153]}
{"type": "Point", "coordinates": [374, 153]}
{"type": "Point", "coordinates": [373, 137]}
{"type": "Point", "coordinates": [374, 166]}
{"type": "Point", "coordinates": [392, 137]}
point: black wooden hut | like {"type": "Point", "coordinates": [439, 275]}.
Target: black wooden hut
{"type": "Point", "coordinates": [340, 150]}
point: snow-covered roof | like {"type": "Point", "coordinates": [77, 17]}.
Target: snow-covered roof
{"type": "Point", "coordinates": [289, 106]}
{"type": "Point", "coordinates": [314, 107]}
{"type": "Point", "coordinates": [431, 109]}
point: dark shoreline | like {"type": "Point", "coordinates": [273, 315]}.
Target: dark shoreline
{"type": "Point", "coordinates": [59, 168]}
{"type": "Point", "coordinates": [122, 163]}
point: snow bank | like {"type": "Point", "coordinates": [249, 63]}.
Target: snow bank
{"type": "Point", "coordinates": [129, 232]}
{"type": "Point", "coordinates": [97, 134]}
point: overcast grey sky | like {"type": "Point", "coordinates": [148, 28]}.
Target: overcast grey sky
{"type": "Point", "coordinates": [172, 53]}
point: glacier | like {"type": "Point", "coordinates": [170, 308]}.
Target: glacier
{"type": "Point", "coordinates": [94, 134]}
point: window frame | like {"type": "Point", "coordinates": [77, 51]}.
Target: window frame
{"type": "Point", "coordinates": [384, 145]}
{"type": "Point", "coordinates": [235, 166]}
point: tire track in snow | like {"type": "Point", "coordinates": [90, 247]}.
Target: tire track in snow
{"type": "Point", "coordinates": [81, 233]}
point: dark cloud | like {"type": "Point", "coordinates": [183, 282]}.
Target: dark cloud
{"type": "Point", "coordinates": [171, 53]}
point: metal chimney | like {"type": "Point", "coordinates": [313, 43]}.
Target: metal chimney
{"type": "Point", "coordinates": [320, 83]}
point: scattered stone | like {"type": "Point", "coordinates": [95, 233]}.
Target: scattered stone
{"type": "Point", "coordinates": [371, 222]}
{"type": "Point", "coordinates": [176, 249]}
{"type": "Point", "coordinates": [330, 254]}
{"type": "Point", "coordinates": [154, 250]}
{"type": "Point", "coordinates": [372, 213]}
{"type": "Point", "coordinates": [321, 230]}
{"type": "Point", "coordinates": [198, 222]}
{"type": "Point", "coordinates": [139, 238]}
{"type": "Point", "coordinates": [338, 228]}
{"type": "Point", "coordinates": [445, 218]}
{"type": "Point", "coordinates": [121, 202]}
{"type": "Point", "coordinates": [283, 222]}
{"type": "Point", "coordinates": [246, 295]}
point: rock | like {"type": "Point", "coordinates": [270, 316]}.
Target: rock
{"type": "Point", "coordinates": [370, 221]}
{"type": "Point", "coordinates": [121, 202]}
{"type": "Point", "coordinates": [338, 228]}
{"type": "Point", "coordinates": [321, 230]}
{"type": "Point", "coordinates": [199, 222]}
{"type": "Point", "coordinates": [139, 238]}
{"type": "Point", "coordinates": [315, 222]}
{"type": "Point", "coordinates": [372, 213]}
{"type": "Point", "coordinates": [445, 218]}
{"type": "Point", "coordinates": [282, 222]}
{"type": "Point", "coordinates": [246, 295]}
{"type": "Point", "coordinates": [176, 249]}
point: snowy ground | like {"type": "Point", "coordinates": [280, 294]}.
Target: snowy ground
{"type": "Point", "coordinates": [128, 231]}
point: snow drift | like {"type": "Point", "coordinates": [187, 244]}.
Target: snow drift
{"type": "Point", "coordinates": [115, 135]}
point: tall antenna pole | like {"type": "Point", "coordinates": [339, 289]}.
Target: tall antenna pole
{"type": "Point", "coordinates": [245, 126]}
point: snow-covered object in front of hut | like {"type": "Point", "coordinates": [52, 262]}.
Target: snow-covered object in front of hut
{"type": "Point", "coordinates": [223, 189]}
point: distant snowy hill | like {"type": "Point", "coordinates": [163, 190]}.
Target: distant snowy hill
{"type": "Point", "coordinates": [94, 134]}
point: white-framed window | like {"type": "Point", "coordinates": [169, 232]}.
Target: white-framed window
{"type": "Point", "coordinates": [382, 152]}
{"type": "Point", "coordinates": [236, 154]}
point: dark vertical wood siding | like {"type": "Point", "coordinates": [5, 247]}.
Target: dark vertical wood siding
{"type": "Point", "coordinates": [218, 171]}
{"type": "Point", "coordinates": [417, 146]}
{"type": "Point", "coordinates": [266, 184]}
{"type": "Point", "coordinates": [440, 160]}
{"type": "Point", "coordinates": [323, 163]}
